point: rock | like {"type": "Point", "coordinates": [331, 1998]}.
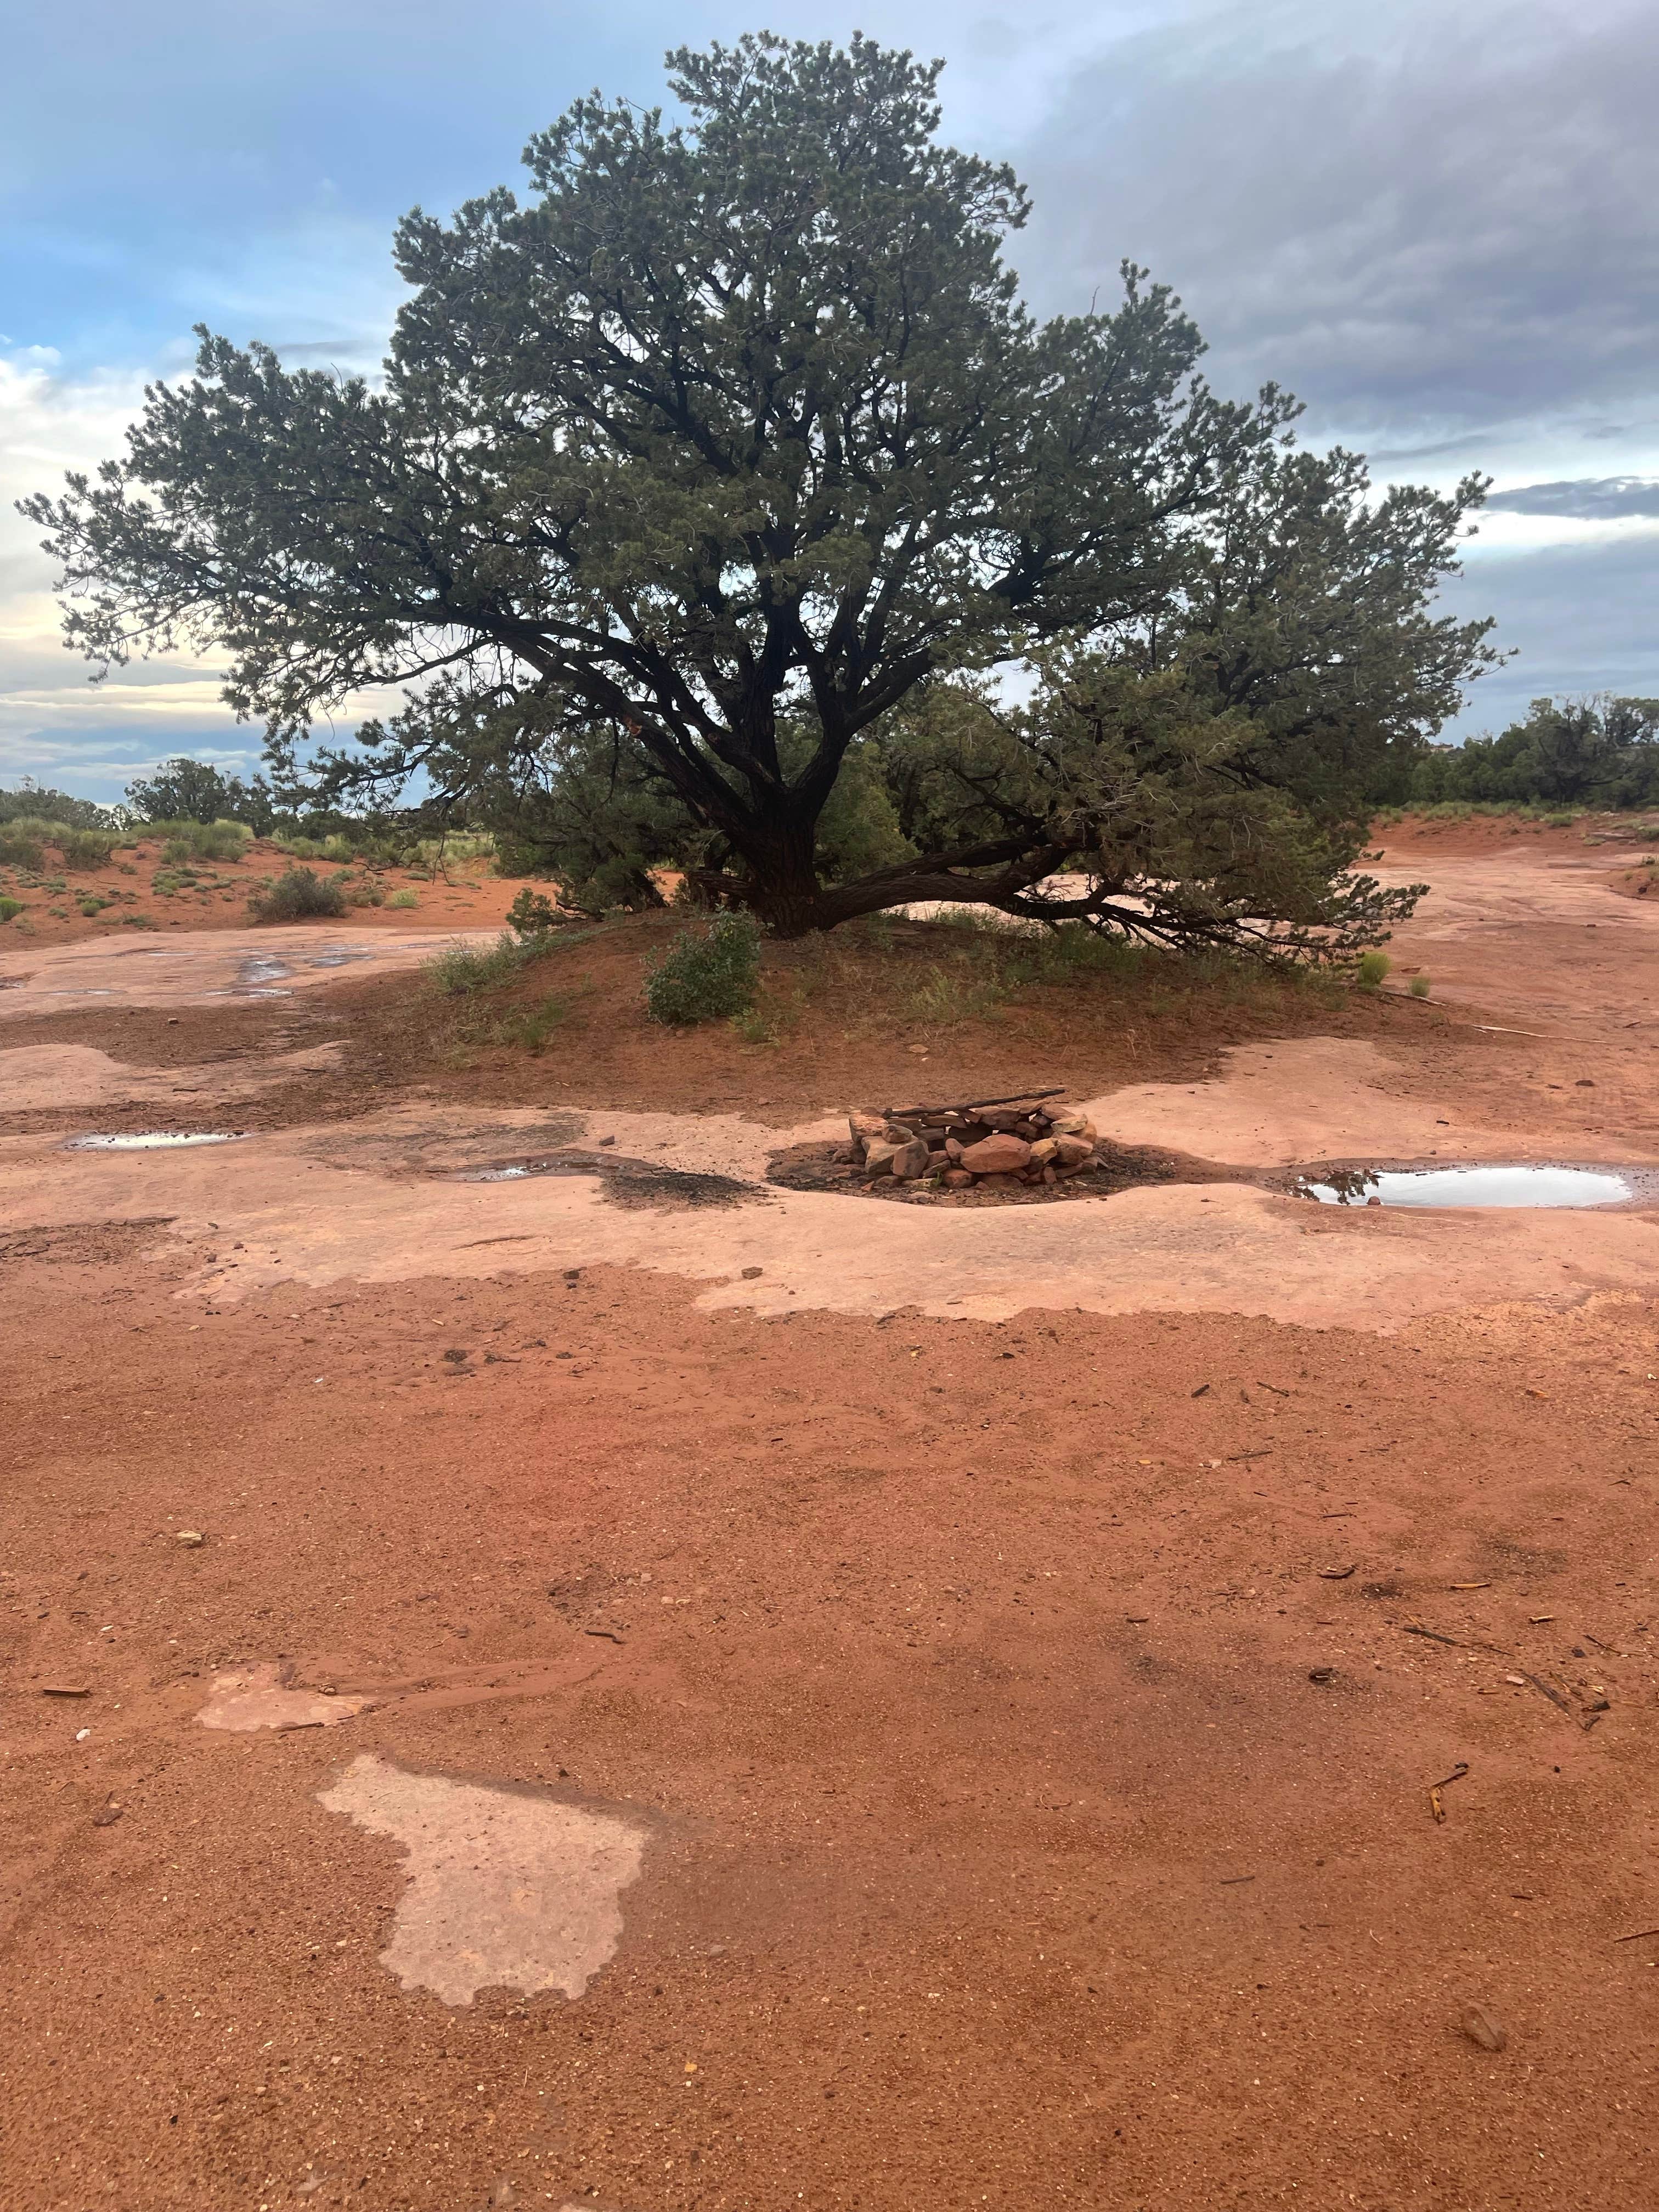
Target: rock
{"type": "Point", "coordinates": [190, 1538]}
{"type": "Point", "coordinates": [1071, 1152]}
{"type": "Point", "coordinates": [957, 1179]}
{"type": "Point", "coordinates": [107, 1816]}
{"type": "Point", "coordinates": [953, 1148]}
{"type": "Point", "coordinates": [1000, 1154]}
{"type": "Point", "coordinates": [1043, 1151]}
{"type": "Point", "coordinates": [898, 1133]}
{"type": "Point", "coordinates": [863, 1124]}
{"type": "Point", "coordinates": [749, 1273]}
{"type": "Point", "coordinates": [1001, 1117]}
{"type": "Point", "coordinates": [1481, 2028]}
{"type": "Point", "coordinates": [910, 1160]}
{"type": "Point", "coordinates": [1065, 1121]}
{"type": "Point", "coordinates": [878, 1157]}
{"type": "Point", "coordinates": [1000, 1182]}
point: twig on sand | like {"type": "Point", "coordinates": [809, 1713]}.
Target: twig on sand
{"type": "Point", "coordinates": [1434, 1789]}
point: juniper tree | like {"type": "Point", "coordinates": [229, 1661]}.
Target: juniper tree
{"type": "Point", "coordinates": [730, 442]}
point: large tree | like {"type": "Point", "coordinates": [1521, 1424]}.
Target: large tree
{"type": "Point", "coordinates": [730, 442]}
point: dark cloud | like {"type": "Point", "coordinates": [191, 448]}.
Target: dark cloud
{"type": "Point", "coordinates": [1579, 619]}
{"type": "Point", "coordinates": [1422, 219]}
{"type": "Point", "coordinates": [1591, 499]}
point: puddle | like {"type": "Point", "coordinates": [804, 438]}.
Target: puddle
{"type": "Point", "coordinates": [254, 977]}
{"type": "Point", "coordinates": [154, 1140]}
{"type": "Point", "coordinates": [336, 959]}
{"type": "Point", "coordinates": [1486, 1185]}
{"type": "Point", "coordinates": [625, 1181]}
{"type": "Point", "coordinates": [508, 1887]}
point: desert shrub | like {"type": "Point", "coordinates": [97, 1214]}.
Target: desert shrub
{"type": "Point", "coordinates": [1372, 967]}
{"type": "Point", "coordinates": [462, 968]}
{"type": "Point", "coordinates": [298, 894]}
{"type": "Point", "coordinates": [1419, 987]}
{"type": "Point", "coordinates": [87, 848]}
{"type": "Point", "coordinates": [530, 914]}
{"type": "Point", "coordinates": [706, 975]}
{"type": "Point", "coordinates": [201, 840]}
{"type": "Point", "coordinates": [9, 907]}
{"type": "Point", "coordinates": [20, 843]}
{"type": "Point", "coordinates": [533, 1026]}
{"type": "Point", "coordinates": [404, 898]}
{"type": "Point", "coordinates": [138, 921]}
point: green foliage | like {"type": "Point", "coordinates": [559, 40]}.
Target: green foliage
{"type": "Point", "coordinates": [1419, 987]}
{"type": "Point", "coordinates": [531, 913]}
{"type": "Point", "coordinates": [532, 1028]}
{"type": "Point", "coordinates": [37, 803]}
{"type": "Point", "coordinates": [188, 790]}
{"type": "Point", "coordinates": [185, 841]}
{"type": "Point", "coordinates": [1371, 969]}
{"type": "Point", "coordinates": [706, 974]}
{"type": "Point", "coordinates": [298, 894]}
{"type": "Point", "coordinates": [459, 969]}
{"type": "Point", "coordinates": [1163, 815]}
{"type": "Point", "coordinates": [1600, 752]}
{"type": "Point", "coordinates": [747, 434]}
{"type": "Point", "coordinates": [9, 908]}
{"type": "Point", "coordinates": [23, 841]}
{"type": "Point", "coordinates": [403, 899]}
{"type": "Point", "coordinates": [87, 848]}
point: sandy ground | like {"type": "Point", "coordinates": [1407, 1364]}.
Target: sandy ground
{"type": "Point", "coordinates": [506, 1704]}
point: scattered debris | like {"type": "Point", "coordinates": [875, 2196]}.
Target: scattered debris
{"type": "Point", "coordinates": [107, 1816]}
{"type": "Point", "coordinates": [1337, 1574]}
{"type": "Point", "coordinates": [609, 1632]}
{"type": "Point", "coordinates": [1481, 2028]}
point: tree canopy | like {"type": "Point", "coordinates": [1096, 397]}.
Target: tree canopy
{"type": "Point", "coordinates": [706, 480]}
{"type": "Point", "coordinates": [185, 790]}
{"type": "Point", "coordinates": [1601, 751]}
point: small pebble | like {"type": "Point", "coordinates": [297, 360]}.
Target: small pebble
{"type": "Point", "coordinates": [190, 1538]}
{"type": "Point", "coordinates": [1481, 2028]}
{"type": "Point", "coordinates": [749, 1273]}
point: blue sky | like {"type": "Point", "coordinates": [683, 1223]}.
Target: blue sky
{"type": "Point", "coordinates": [1434, 224]}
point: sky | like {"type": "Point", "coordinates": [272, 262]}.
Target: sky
{"type": "Point", "coordinates": [1435, 224]}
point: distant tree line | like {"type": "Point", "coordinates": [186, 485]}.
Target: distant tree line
{"type": "Point", "coordinates": [1600, 752]}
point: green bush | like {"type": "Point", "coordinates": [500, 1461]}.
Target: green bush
{"type": "Point", "coordinates": [1372, 968]}
{"type": "Point", "coordinates": [461, 967]}
{"type": "Point", "coordinates": [9, 907]}
{"type": "Point", "coordinates": [201, 840]}
{"type": "Point", "coordinates": [404, 898]}
{"type": "Point", "coordinates": [87, 848]}
{"type": "Point", "coordinates": [1419, 987]}
{"type": "Point", "coordinates": [20, 843]}
{"type": "Point", "coordinates": [534, 1026]}
{"type": "Point", "coordinates": [706, 975]}
{"type": "Point", "coordinates": [299, 895]}
{"type": "Point", "coordinates": [531, 913]}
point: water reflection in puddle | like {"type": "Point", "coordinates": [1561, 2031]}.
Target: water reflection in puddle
{"type": "Point", "coordinates": [153, 1140]}
{"type": "Point", "coordinates": [1471, 1185]}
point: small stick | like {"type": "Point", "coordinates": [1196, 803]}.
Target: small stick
{"type": "Point", "coordinates": [1640, 1935]}
{"type": "Point", "coordinates": [1434, 1789]}
{"type": "Point", "coordinates": [1233, 1880]}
